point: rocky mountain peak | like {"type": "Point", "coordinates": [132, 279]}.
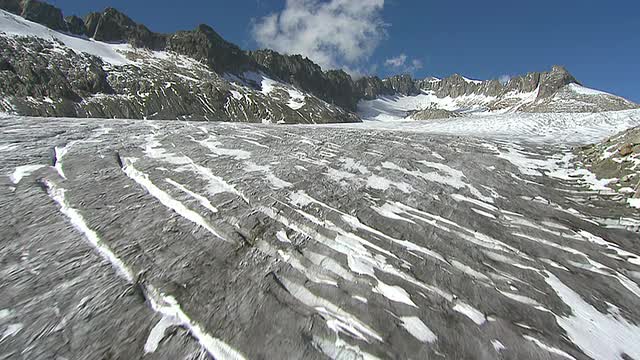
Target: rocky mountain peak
{"type": "Point", "coordinates": [113, 26]}
{"type": "Point", "coordinates": [36, 11]}
{"type": "Point", "coordinates": [206, 45]}
{"type": "Point", "coordinates": [333, 86]}
{"type": "Point", "coordinates": [402, 84]}
{"type": "Point", "coordinates": [550, 82]}
{"type": "Point", "coordinates": [559, 69]}
{"type": "Point", "coordinates": [12, 6]}
{"type": "Point", "coordinates": [370, 87]}
{"type": "Point", "coordinates": [75, 25]}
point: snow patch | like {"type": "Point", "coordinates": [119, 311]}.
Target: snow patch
{"type": "Point", "coordinates": [578, 89]}
{"type": "Point", "coordinates": [11, 330]}
{"type": "Point", "coordinates": [23, 171]}
{"type": "Point", "coordinates": [394, 293]}
{"type": "Point", "coordinates": [497, 345]}
{"type": "Point", "coordinates": [470, 312]}
{"type": "Point", "coordinates": [418, 329]}
{"type": "Point", "coordinates": [550, 349]}
{"type": "Point", "coordinates": [165, 199]}
{"type": "Point", "coordinates": [599, 335]}
{"type": "Point", "coordinates": [383, 184]}
{"type": "Point", "coordinates": [281, 235]}
{"type": "Point", "coordinates": [17, 26]}
{"type": "Point", "coordinates": [158, 332]}
{"type": "Point", "coordinates": [170, 309]}
{"type": "Point", "coordinates": [203, 200]}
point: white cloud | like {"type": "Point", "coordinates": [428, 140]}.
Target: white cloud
{"type": "Point", "coordinates": [415, 65]}
{"type": "Point", "coordinates": [504, 79]}
{"type": "Point", "coordinates": [334, 33]}
{"type": "Point", "coordinates": [400, 64]}
{"type": "Point", "coordinates": [397, 61]}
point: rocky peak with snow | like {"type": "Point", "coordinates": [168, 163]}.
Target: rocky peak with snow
{"type": "Point", "coordinates": [457, 85]}
{"type": "Point", "coordinates": [333, 86]}
{"type": "Point", "coordinates": [113, 26]}
{"type": "Point", "coordinates": [36, 11]}
{"type": "Point", "coordinates": [115, 52]}
{"type": "Point", "coordinates": [206, 45]}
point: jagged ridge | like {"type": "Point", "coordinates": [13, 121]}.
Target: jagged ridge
{"type": "Point", "coordinates": [335, 87]}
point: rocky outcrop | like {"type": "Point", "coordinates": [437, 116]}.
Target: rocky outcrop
{"type": "Point", "coordinates": [617, 158]}
{"type": "Point", "coordinates": [333, 86]}
{"type": "Point", "coordinates": [550, 82]}
{"type": "Point", "coordinates": [204, 44]}
{"type": "Point", "coordinates": [36, 11]}
{"type": "Point", "coordinates": [401, 84]}
{"type": "Point", "coordinates": [371, 87]}
{"type": "Point", "coordinates": [456, 85]}
{"type": "Point", "coordinates": [12, 6]}
{"type": "Point", "coordinates": [113, 26]}
{"type": "Point", "coordinates": [75, 25]}
{"type": "Point", "coordinates": [434, 114]}
{"type": "Point", "coordinates": [42, 78]}
{"type": "Point", "coordinates": [570, 99]}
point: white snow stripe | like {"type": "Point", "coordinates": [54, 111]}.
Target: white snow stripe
{"type": "Point", "coordinates": [170, 308]}
{"type": "Point", "coordinates": [158, 333]}
{"type": "Point", "coordinates": [58, 195]}
{"type": "Point", "coordinates": [165, 305]}
{"type": "Point", "coordinates": [203, 200]}
{"type": "Point", "coordinates": [470, 312]}
{"type": "Point", "coordinates": [165, 199]}
{"type": "Point", "coordinates": [418, 329]}
{"type": "Point", "coordinates": [23, 171]}
{"type": "Point", "coordinates": [548, 348]}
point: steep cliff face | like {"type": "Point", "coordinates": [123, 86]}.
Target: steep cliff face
{"type": "Point", "coordinates": [371, 87]}
{"type": "Point", "coordinates": [114, 26]}
{"type": "Point", "coordinates": [334, 86]}
{"type": "Point", "coordinates": [76, 25]}
{"type": "Point", "coordinates": [36, 11]}
{"type": "Point", "coordinates": [205, 45]}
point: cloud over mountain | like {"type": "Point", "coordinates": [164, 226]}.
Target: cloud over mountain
{"type": "Point", "coordinates": [334, 34]}
{"type": "Point", "coordinates": [400, 63]}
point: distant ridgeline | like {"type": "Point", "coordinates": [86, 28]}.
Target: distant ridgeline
{"type": "Point", "coordinates": [106, 65]}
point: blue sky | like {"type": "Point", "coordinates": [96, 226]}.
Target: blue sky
{"type": "Point", "coordinates": [596, 41]}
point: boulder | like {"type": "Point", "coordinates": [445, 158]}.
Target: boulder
{"type": "Point", "coordinates": [5, 65]}
{"type": "Point", "coordinates": [626, 149]}
{"type": "Point", "coordinates": [434, 114]}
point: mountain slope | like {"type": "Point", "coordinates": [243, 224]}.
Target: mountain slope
{"type": "Point", "coordinates": [554, 91]}
{"type": "Point", "coordinates": [136, 73]}
{"type": "Point", "coordinates": [96, 79]}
